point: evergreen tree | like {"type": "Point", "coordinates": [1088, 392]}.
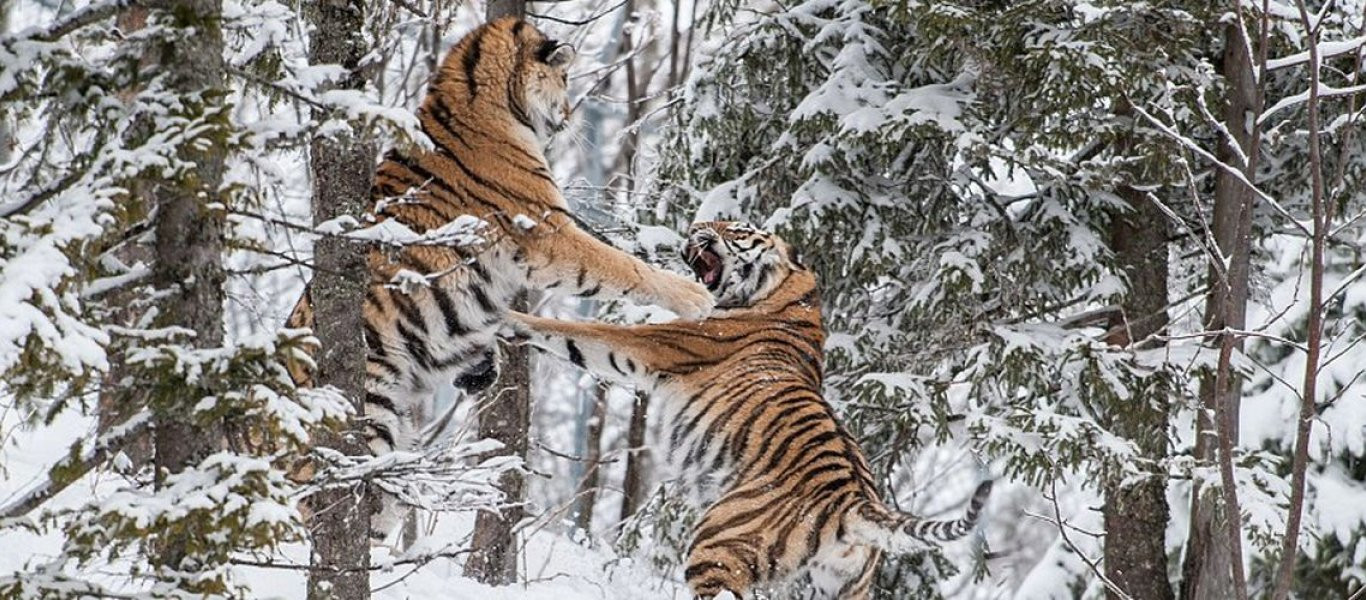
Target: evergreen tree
{"type": "Point", "coordinates": [968, 179]}
{"type": "Point", "coordinates": [148, 154]}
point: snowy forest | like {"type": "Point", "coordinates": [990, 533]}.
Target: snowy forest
{"type": "Point", "coordinates": [1106, 254]}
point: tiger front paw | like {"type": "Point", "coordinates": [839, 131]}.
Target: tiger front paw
{"type": "Point", "coordinates": [688, 299]}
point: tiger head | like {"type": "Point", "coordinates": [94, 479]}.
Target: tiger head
{"type": "Point", "coordinates": [510, 63]}
{"type": "Point", "coordinates": [741, 264]}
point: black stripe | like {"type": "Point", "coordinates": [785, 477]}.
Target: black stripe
{"type": "Point", "coordinates": [414, 262]}
{"type": "Point", "coordinates": [516, 198]}
{"type": "Point", "coordinates": [746, 388]}
{"type": "Point", "coordinates": [780, 453]}
{"type": "Point", "coordinates": [416, 347]}
{"type": "Point", "coordinates": [446, 119]}
{"type": "Point", "coordinates": [575, 356]}
{"type": "Point", "coordinates": [384, 364]}
{"type": "Point", "coordinates": [409, 309]}
{"type": "Point", "coordinates": [427, 178]}
{"type": "Point", "coordinates": [381, 401]}
{"type": "Point", "coordinates": [372, 341]}
{"type": "Point", "coordinates": [444, 304]}
{"type": "Point", "coordinates": [482, 298]}
{"type": "Point", "coordinates": [479, 270]}
{"type": "Point", "coordinates": [695, 571]}
{"type": "Point", "coordinates": [449, 361]}
{"type": "Point", "coordinates": [377, 430]}
{"type": "Point", "coordinates": [471, 59]}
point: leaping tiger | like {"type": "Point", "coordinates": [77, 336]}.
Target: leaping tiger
{"type": "Point", "coordinates": [787, 492]}
{"type": "Point", "coordinates": [498, 96]}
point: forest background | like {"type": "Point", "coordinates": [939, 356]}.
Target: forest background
{"type": "Point", "coordinates": [1107, 252]}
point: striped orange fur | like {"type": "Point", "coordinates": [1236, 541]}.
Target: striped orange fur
{"type": "Point", "coordinates": [497, 97]}
{"type": "Point", "coordinates": [788, 496]}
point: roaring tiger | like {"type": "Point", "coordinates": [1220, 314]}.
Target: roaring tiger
{"type": "Point", "coordinates": [498, 96]}
{"type": "Point", "coordinates": [788, 494]}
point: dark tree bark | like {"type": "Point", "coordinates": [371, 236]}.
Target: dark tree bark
{"type": "Point", "coordinates": [1208, 568]}
{"type": "Point", "coordinates": [189, 246]}
{"type": "Point", "coordinates": [626, 158]}
{"type": "Point", "coordinates": [505, 415]}
{"type": "Point", "coordinates": [1136, 512]}
{"type": "Point", "coordinates": [342, 170]}
{"type": "Point", "coordinates": [505, 8]}
{"type": "Point", "coordinates": [6, 137]}
{"type": "Point", "coordinates": [633, 484]}
{"type": "Point", "coordinates": [586, 496]}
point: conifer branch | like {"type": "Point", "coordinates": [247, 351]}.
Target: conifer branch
{"type": "Point", "coordinates": [63, 474]}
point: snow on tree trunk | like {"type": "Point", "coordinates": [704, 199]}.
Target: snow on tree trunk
{"type": "Point", "coordinates": [1136, 512]}
{"type": "Point", "coordinates": [189, 251]}
{"type": "Point", "coordinates": [117, 404]}
{"type": "Point", "coordinates": [505, 416]}
{"type": "Point", "coordinates": [342, 168]}
{"type": "Point", "coordinates": [1207, 571]}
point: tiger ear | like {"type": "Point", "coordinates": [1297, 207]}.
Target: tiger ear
{"type": "Point", "coordinates": [793, 258]}
{"type": "Point", "coordinates": [556, 54]}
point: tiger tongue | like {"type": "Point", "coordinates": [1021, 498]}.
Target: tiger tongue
{"type": "Point", "coordinates": [712, 274]}
{"type": "Point", "coordinates": [710, 265]}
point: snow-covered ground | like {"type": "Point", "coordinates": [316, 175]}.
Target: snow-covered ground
{"type": "Point", "coordinates": [552, 567]}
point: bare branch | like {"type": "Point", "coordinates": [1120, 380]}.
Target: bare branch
{"type": "Point", "coordinates": [1221, 165]}
{"type": "Point", "coordinates": [88, 15]}
{"type": "Point", "coordinates": [582, 21]}
{"type": "Point", "coordinates": [1322, 216]}
{"type": "Point", "coordinates": [1091, 564]}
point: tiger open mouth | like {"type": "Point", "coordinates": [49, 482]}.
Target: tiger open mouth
{"type": "Point", "coordinates": [705, 263]}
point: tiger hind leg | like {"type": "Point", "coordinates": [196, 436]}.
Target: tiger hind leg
{"type": "Point", "coordinates": [393, 418]}
{"type": "Point", "coordinates": [713, 571]}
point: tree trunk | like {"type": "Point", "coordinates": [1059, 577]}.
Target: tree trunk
{"type": "Point", "coordinates": [587, 495]}
{"type": "Point", "coordinates": [1136, 512]}
{"type": "Point", "coordinates": [117, 403]}
{"type": "Point", "coordinates": [6, 136]}
{"type": "Point", "coordinates": [342, 168]}
{"type": "Point", "coordinates": [505, 8]}
{"type": "Point", "coordinates": [1322, 213]}
{"type": "Point", "coordinates": [506, 417]}
{"type": "Point", "coordinates": [1207, 570]}
{"type": "Point", "coordinates": [189, 246]}
{"type": "Point", "coordinates": [633, 484]}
